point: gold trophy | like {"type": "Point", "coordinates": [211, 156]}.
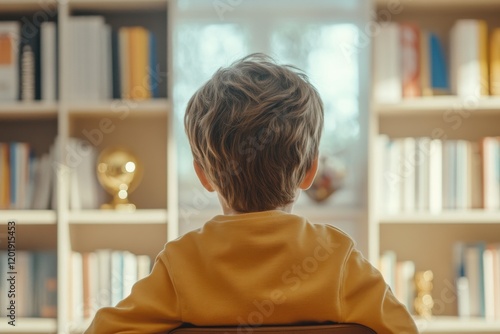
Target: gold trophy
{"type": "Point", "coordinates": [424, 301]}
{"type": "Point", "coordinates": [119, 172]}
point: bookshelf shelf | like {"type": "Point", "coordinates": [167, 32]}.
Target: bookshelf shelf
{"type": "Point", "coordinates": [435, 105]}
{"type": "Point", "coordinates": [29, 325]}
{"type": "Point", "coordinates": [441, 4]}
{"type": "Point", "coordinates": [29, 217]}
{"type": "Point", "coordinates": [24, 5]}
{"type": "Point", "coordinates": [120, 5]}
{"type": "Point", "coordinates": [28, 110]}
{"type": "Point", "coordinates": [445, 217]}
{"type": "Point", "coordinates": [153, 216]}
{"type": "Point", "coordinates": [444, 324]}
{"type": "Point", "coordinates": [153, 107]}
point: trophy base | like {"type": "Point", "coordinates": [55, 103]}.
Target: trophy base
{"type": "Point", "coordinates": [119, 206]}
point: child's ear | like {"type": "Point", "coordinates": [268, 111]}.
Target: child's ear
{"type": "Point", "coordinates": [310, 175]}
{"type": "Point", "coordinates": [202, 177]}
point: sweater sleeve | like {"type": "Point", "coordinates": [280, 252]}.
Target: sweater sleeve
{"type": "Point", "coordinates": [367, 299]}
{"type": "Point", "coordinates": [151, 307]}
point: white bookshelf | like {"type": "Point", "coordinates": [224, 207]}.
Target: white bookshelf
{"type": "Point", "coordinates": [158, 216]}
{"type": "Point", "coordinates": [29, 217]}
{"type": "Point", "coordinates": [143, 126]}
{"type": "Point", "coordinates": [445, 217]}
{"type": "Point", "coordinates": [439, 104]}
{"type": "Point", "coordinates": [424, 237]}
{"type": "Point", "coordinates": [29, 325]}
{"type": "Point", "coordinates": [457, 325]}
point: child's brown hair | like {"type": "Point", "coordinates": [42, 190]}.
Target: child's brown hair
{"type": "Point", "coordinates": [254, 129]}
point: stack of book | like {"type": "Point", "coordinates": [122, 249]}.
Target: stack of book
{"type": "Point", "coordinates": [26, 181]}
{"type": "Point", "coordinates": [107, 63]}
{"type": "Point", "coordinates": [410, 62]}
{"type": "Point", "coordinates": [35, 292]}
{"type": "Point", "coordinates": [477, 268]}
{"type": "Point", "coordinates": [431, 175]}
{"type": "Point", "coordinates": [102, 278]}
{"type": "Point", "coordinates": [400, 276]}
{"type": "Point", "coordinates": [28, 66]}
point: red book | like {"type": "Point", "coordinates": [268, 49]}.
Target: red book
{"type": "Point", "coordinates": [410, 59]}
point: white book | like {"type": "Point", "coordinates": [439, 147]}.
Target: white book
{"type": "Point", "coordinates": [143, 266]}
{"type": "Point", "coordinates": [76, 303]}
{"type": "Point", "coordinates": [408, 168]}
{"type": "Point", "coordinates": [473, 271]}
{"type": "Point", "coordinates": [405, 286]}
{"type": "Point", "coordinates": [106, 71]}
{"type": "Point", "coordinates": [449, 172]}
{"type": "Point", "coordinates": [43, 183]}
{"type": "Point", "coordinates": [387, 64]}
{"type": "Point", "coordinates": [461, 176]}
{"type": "Point", "coordinates": [129, 272]}
{"type": "Point", "coordinates": [466, 62]}
{"type": "Point", "coordinates": [463, 294]}
{"type": "Point", "coordinates": [394, 177]}
{"type": "Point", "coordinates": [489, 284]}
{"type": "Point", "coordinates": [124, 62]}
{"type": "Point", "coordinates": [48, 60]}
{"type": "Point", "coordinates": [9, 64]}
{"type": "Point", "coordinates": [94, 32]}
{"type": "Point", "coordinates": [387, 267]}
{"type": "Point", "coordinates": [382, 169]}
{"type": "Point", "coordinates": [422, 166]}
{"type": "Point", "coordinates": [116, 277]}
{"type": "Point", "coordinates": [496, 279]}
{"type": "Point", "coordinates": [436, 176]}
{"type": "Point", "coordinates": [104, 284]}
{"type": "Point", "coordinates": [491, 175]}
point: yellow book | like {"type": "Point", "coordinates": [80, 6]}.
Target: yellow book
{"type": "Point", "coordinates": [483, 56]}
{"type": "Point", "coordinates": [495, 62]}
{"type": "Point", "coordinates": [138, 43]}
{"type": "Point", "coordinates": [4, 176]}
{"type": "Point", "coordinates": [124, 62]}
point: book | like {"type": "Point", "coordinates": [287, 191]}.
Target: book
{"type": "Point", "coordinates": [48, 61]}
{"type": "Point", "coordinates": [474, 271]}
{"type": "Point", "coordinates": [9, 60]}
{"type": "Point", "coordinates": [31, 76]}
{"type": "Point", "coordinates": [123, 42]}
{"type": "Point", "coordinates": [408, 167]}
{"type": "Point", "coordinates": [387, 65]}
{"type": "Point", "coordinates": [4, 176]}
{"type": "Point", "coordinates": [490, 173]}
{"type": "Point", "coordinates": [138, 50]}
{"type": "Point", "coordinates": [116, 277]}
{"type": "Point", "coordinates": [405, 287]}
{"type": "Point", "coordinates": [153, 70]}
{"type": "Point", "coordinates": [46, 283]}
{"type": "Point", "coordinates": [433, 65]}
{"type": "Point", "coordinates": [129, 273]}
{"type": "Point", "coordinates": [410, 59]}
{"type": "Point", "coordinates": [422, 177]}
{"type": "Point", "coordinates": [436, 176]}
{"type": "Point", "coordinates": [468, 50]}
{"type": "Point", "coordinates": [495, 62]}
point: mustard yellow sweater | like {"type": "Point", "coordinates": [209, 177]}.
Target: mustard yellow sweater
{"type": "Point", "coordinates": [257, 268]}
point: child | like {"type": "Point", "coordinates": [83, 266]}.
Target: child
{"type": "Point", "coordinates": [254, 130]}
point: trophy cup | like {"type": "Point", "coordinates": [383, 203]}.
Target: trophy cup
{"type": "Point", "coordinates": [119, 172]}
{"type": "Point", "coordinates": [424, 301]}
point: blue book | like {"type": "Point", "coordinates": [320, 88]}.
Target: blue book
{"type": "Point", "coordinates": [14, 170]}
{"type": "Point", "coordinates": [153, 66]}
{"type": "Point", "coordinates": [46, 284]}
{"type": "Point", "coordinates": [438, 66]}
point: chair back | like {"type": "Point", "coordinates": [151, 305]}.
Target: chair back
{"type": "Point", "coordinates": [336, 328]}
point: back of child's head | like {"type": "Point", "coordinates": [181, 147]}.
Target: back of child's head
{"type": "Point", "coordinates": [254, 129]}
